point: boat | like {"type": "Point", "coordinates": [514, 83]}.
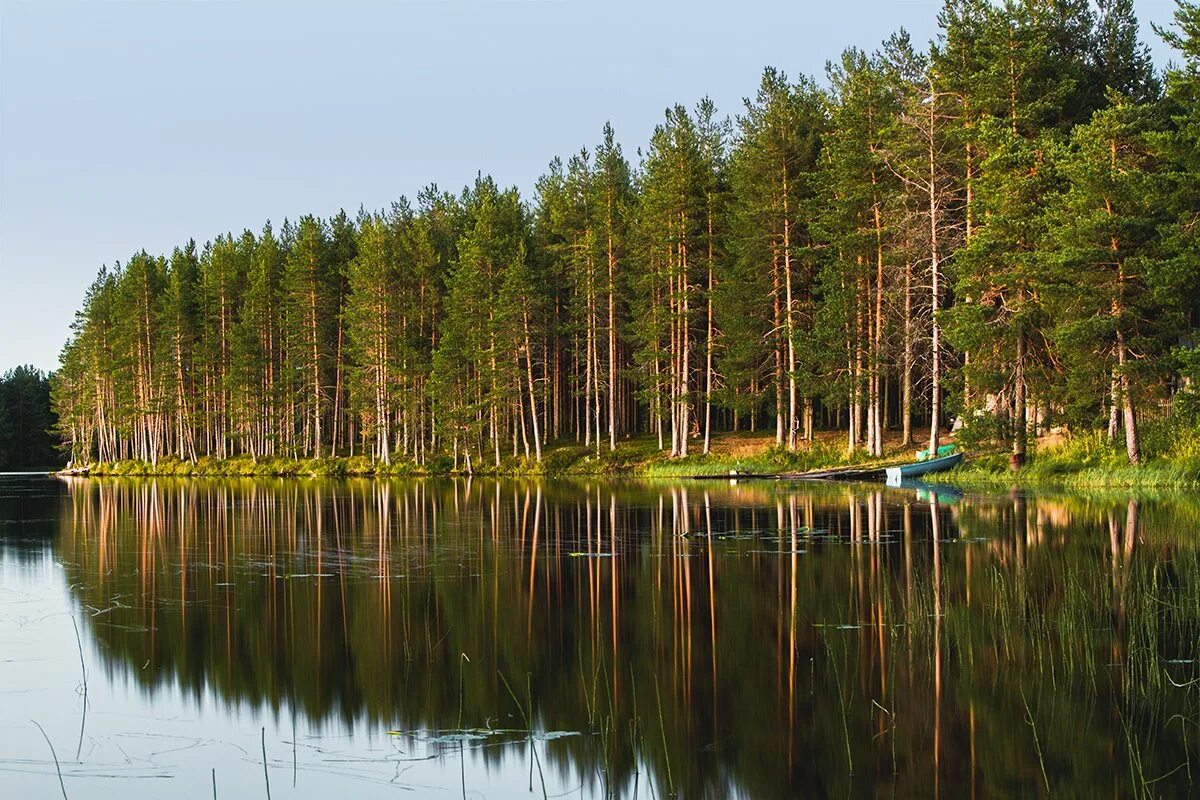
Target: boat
{"type": "Point", "coordinates": [948, 456]}
{"type": "Point", "coordinates": [924, 466]}
{"type": "Point", "coordinates": [74, 472]}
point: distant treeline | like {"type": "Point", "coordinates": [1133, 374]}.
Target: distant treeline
{"type": "Point", "coordinates": [27, 422]}
{"type": "Point", "coordinates": [1002, 226]}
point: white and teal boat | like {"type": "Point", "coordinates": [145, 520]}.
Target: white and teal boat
{"type": "Point", "coordinates": [946, 457]}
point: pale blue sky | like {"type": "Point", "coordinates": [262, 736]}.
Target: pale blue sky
{"type": "Point", "coordinates": [140, 123]}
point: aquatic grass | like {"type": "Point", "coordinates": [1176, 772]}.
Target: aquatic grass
{"type": "Point", "coordinates": [1037, 745]}
{"type": "Point", "coordinates": [842, 703]}
{"type": "Point", "coordinates": [266, 775]}
{"type": "Point", "coordinates": [54, 755]}
{"type": "Point", "coordinates": [84, 679]}
{"type": "Point", "coordinates": [527, 717]}
{"type": "Point", "coordinates": [662, 727]}
{"type": "Point", "coordinates": [891, 729]}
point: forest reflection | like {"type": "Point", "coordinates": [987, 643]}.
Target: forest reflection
{"type": "Point", "coordinates": [711, 639]}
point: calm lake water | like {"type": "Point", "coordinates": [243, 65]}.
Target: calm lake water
{"type": "Point", "coordinates": [517, 639]}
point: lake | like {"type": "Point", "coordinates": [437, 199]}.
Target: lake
{"type": "Point", "coordinates": [521, 638]}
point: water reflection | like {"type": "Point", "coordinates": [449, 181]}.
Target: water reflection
{"type": "Point", "coordinates": [29, 511]}
{"type": "Point", "coordinates": [693, 639]}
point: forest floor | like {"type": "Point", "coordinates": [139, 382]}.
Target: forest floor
{"type": "Point", "coordinates": [1083, 462]}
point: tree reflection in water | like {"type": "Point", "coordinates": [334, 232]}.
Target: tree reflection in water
{"type": "Point", "coordinates": [711, 639]}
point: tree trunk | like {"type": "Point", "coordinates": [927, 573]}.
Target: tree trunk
{"type": "Point", "coordinates": [537, 439]}
{"type": "Point", "coordinates": [1132, 446]}
{"type": "Point", "coordinates": [316, 369]}
{"type": "Point", "coordinates": [612, 334]}
{"type": "Point", "coordinates": [789, 317]}
{"type": "Point", "coordinates": [708, 343]}
{"type": "Point", "coordinates": [935, 376]}
{"type": "Point", "coordinates": [1019, 412]}
{"type": "Point", "coordinates": [906, 378]}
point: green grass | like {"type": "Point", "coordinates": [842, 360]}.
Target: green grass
{"type": "Point", "coordinates": [1171, 459]}
{"type": "Point", "coordinates": [635, 456]}
{"type": "Point", "coordinates": [769, 460]}
{"type": "Point", "coordinates": [1086, 461]}
{"type": "Point", "coordinates": [244, 466]}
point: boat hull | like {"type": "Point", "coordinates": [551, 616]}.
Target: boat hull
{"type": "Point", "coordinates": [898, 473]}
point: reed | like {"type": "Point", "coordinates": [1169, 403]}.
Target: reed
{"type": "Point", "coordinates": [54, 755]}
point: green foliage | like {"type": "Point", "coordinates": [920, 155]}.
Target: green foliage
{"type": "Point", "coordinates": [27, 421]}
{"type": "Point", "coordinates": [766, 298]}
{"type": "Point", "coordinates": [1025, 186]}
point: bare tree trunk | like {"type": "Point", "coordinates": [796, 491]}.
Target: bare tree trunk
{"type": "Point", "coordinates": [337, 389]}
{"type": "Point", "coordinates": [316, 370]}
{"type": "Point", "coordinates": [877, 359]}
{"type": "Point", "coordinates": [857, 401]}
{"type": "Point", "coordinates": [906, 378]}
{"type": "Point", "coordinates": [935, 267]}
{"type": "Point", "coordinates": [789, 318]}
{"type": "Point", "coordinates": [708, 344]}
{"type": "Point", "coordinates": [779, 377]}
{"type": "Point", "coordinates": [588, 360]}
{"type": "Point", "coordinates": [612, 334]}
{"type": "Point", "coordinates": [596, 370]}
{"type": "Point", "coordinates": [674, 371]}
{"type": "Point", "coordinates": [685, 366]}
{"type": "Point", "coordinates": [1114, 407]}
{"type": "Point", "coordinates": [1019, 411]}
{"type": "Point", "coordinates": [1132, 445]}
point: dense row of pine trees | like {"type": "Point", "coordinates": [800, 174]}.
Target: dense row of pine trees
{"type": "Point", "coordinates": [1003, 226]}
{"type": "Point", "coordinates": [26, 421]}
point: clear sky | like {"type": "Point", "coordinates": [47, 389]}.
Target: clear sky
{"type": "Point", "coordinates": [130, 124]}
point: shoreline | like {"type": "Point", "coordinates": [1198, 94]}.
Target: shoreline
{"type": "Point", "coordinates": [640, 458]}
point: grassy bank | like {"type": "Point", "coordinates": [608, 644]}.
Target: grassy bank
{"type": "Point", "coordinates": [632, 457]}
{"type": "Point", "coordinates": [1088, 461]}
{"type": "Point", "coordinates": [1171, 459]}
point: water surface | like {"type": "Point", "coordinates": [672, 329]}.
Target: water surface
{"type": "Point", "coordinates": [515, 639]}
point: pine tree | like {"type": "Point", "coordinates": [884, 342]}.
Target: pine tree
{"type": "Point", "coordinates": [341, 251]}
{"type": "Point", "coordinates": [614, 201]}
{"type": "Point", "coordinates": [475, 380]}
{"type": "Point", "coordinates": [672, 234]}
{"type": "Point", "coordinates": [372, 325]}
{"type": "Point", "coordinates": [1179, 149]}
{"type": "Point", "coordinates": [772, 170]}
{"type": "Point", "coordinates": [1117, 303]}
{"type": "Point", "coordinates": [1120, 60]}
{"type": "Point", "coordinates": [222, 272]}
{"type": "Point", "coordinates": [1035, 61]}
{"type": "Point", "coordinates": [181, 320]}
{"type": "Point", "coordinates": [309, 293]}
{"type": "Point", "coordinates": [714, 134]}
{"type": "Point", "coordinates": [859, 226]}
{"type": "Point", "coordinates": [922, 150]}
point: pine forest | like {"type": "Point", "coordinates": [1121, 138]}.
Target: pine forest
{"type": "Point", "coordinates": [997, 231]}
